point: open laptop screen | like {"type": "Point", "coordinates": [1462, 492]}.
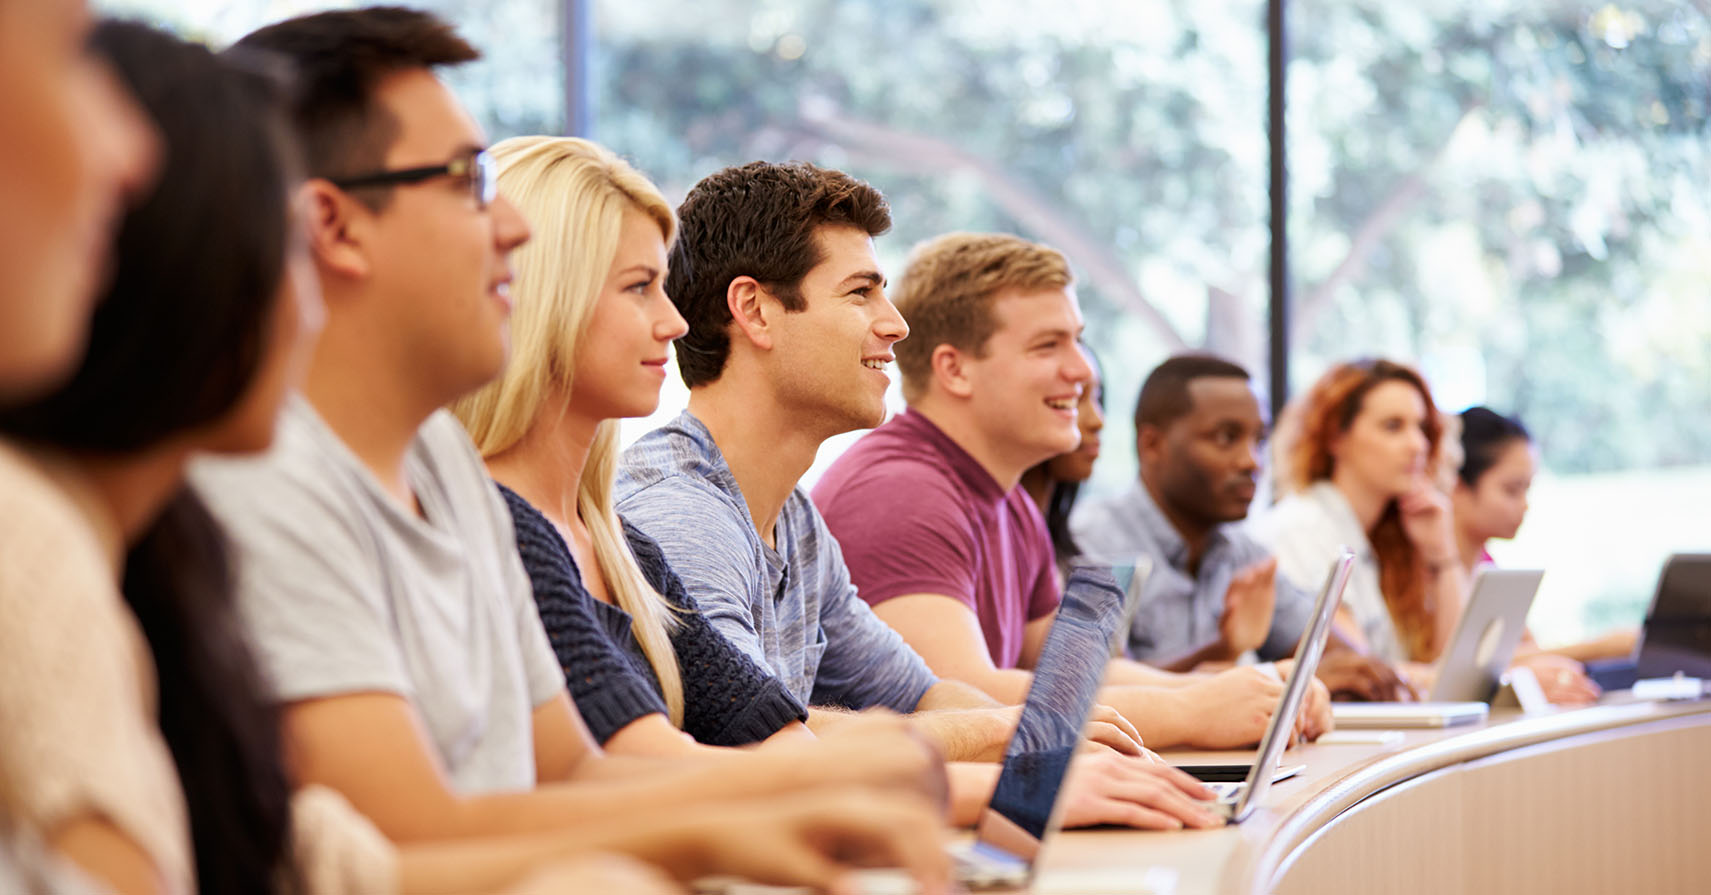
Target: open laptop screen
{"type": "Point", "coordinates": [1067, 676]}
{"type": "Point", "coordinates": [1677, 634]}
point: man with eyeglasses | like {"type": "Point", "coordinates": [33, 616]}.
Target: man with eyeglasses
{"type": "Point", "coordinates": [378, 575]}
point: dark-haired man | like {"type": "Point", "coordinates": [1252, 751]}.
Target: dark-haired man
{"type": "Point", "coordinates": [1214, 594]}
{"type": "Point", "coordinates": [380, 581]}
{"type": "Point", "coordinates": [790, 334]}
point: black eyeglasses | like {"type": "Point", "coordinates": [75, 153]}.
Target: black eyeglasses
{"type": "Point", "coordinates": [475, 168]}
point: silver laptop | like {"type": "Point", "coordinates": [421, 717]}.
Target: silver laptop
{"type": "Point", "coordinates": [1486, 636]}
{"type": "Point", "coordinates": [1238, 800]}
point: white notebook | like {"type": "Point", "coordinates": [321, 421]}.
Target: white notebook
{"type": "Point", "coordinates": [1397, 715]}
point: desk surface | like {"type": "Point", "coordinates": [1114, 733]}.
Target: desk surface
{"type": "Point", "coordinates": [1247, 857]}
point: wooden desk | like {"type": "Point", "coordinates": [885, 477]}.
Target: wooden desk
{"type": "Point", "coordinates": [1607, 799]}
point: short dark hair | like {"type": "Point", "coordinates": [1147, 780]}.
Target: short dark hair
{"type": "Point", "coordinates": [1164, 396]}
{"type": "Point", "coordinates": [757, 220]}
{"type": "Point", "coordinates": [339, 57]}
{"type": "Point", "coordinates": [1484, 435]}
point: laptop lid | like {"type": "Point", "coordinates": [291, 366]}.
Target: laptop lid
{"type": "Point", "coordinates": [1067, 675]}
{"type": "Point", "coordinates": [1486, 636]}
{"type": "Point", "coordinates": [1307, 654]}
{"type": "Point", "coordinates": [1677, 633]}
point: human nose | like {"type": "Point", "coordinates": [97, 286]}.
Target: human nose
{"type": "Point", "coordinates": [670, 325]}
{"type": "Point", "coordinates": [890, 324]}
{"type": "Point", "coordinates": [510, 228]}
{"type": "Point", "coordinates": [125, 147]}
{"type": "Point", "coordinates": [1094, 417]}
{"type": "Point", "coordinates": [1078, 369]}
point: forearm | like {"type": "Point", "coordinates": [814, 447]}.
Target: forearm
{"type": "Point", "coordinates": [1127, 672]}
{"type": "Point", "coordinates": [1158, 713]}
{"type": "Point", "coordinates": [1447, 591]}
{"type": "Point", "coordinates": [954, 694]}
{"type": "Point", "coordinates": [1216, 651]}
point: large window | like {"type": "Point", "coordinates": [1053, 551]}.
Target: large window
{"type": "Point", "coordinates": [1129, 135]}
{"type": "Point", "coordinates": [1517, 196]}
{"type": "Point", "coordinates": [1514, 195]}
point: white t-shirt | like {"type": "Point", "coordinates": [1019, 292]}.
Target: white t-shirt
{"type": "Point", "coordinates": [342, 590]}
{"type": "Point", "coordinates": [1305, 530]}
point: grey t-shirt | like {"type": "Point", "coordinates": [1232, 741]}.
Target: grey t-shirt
{"type": "Point", "coordinates": [1179, 610]}
{"type": "Point", "coordinates": [793, 609]}
{"type": "Point", "coordinates": [342, 590]}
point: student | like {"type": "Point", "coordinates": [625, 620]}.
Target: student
{"type": "Point", "coordinates": [789, 335]}
{"type": "Point", "coordinates": [1356, 459]}
{"type": "Point", "coordinates": [591, 332]}
{"type": "Point", "coordinates": [1213, 594]}
{"type": "Point", "coordinates": [1490, 500]}
{"type": "Point", "coordinates": [212, 314]}
{"type": "Point", "coordinates": [963, 569]}
{"type": "Point", "coordinates": [1055, 484]}
{"type": "Point", "coordinates": [378, 575]}
{"type": "Point", "coordinates": [73, 147]}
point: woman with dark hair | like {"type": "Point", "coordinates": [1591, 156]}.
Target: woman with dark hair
{"type": "Point", "coordinates": [1056, 484]}
{"type": "Point", "coordinates": [1490, 500]}
{"type": "Point", "coordinates": [1356, 460]}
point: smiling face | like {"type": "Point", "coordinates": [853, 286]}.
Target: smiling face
{"type": "Point", "coordinates": [621, 361]}
{"type": "Point", "coordinates": [73, 145]}
{"type": "Point", "coordinates": [1077, 465]}
{"type": "Point", "coordinates": [830, 360]}
{"type": "Point", "coordinates": [1025, 384]}
{"type": "Point", "coordinates": [1386, 446]}
{"type": "Point", "coordinates": [1497, 504]}
{"type": "Point", "coordinates": [440, 269]}
{"type": "Point", "coordinates": [1204, 464]}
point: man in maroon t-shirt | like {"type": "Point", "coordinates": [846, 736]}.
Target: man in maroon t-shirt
{"type": "Point", "coordinates": [935, 532]}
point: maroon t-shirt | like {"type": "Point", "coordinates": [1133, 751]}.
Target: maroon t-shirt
{"type": "Point", "coordinates": [915, 514]}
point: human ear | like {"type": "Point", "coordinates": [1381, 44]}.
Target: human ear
{"type": "Point", "coordinates": [338, 229]}
{"type": "Point", "coordinates": [750, 308]}
{"type": "Point", "coordinates": [951, 371]}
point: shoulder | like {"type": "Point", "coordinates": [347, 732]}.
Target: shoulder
{"type": "Point", "coordinates": [52, 564]}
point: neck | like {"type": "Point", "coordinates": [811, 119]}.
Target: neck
{"type": "Point", "coordinates": [1367, 502]}
{"type": "Point", "coordinates": [1000, 460]}
{"type": "Point", "coordinates": [133, 489]}
{"type": "Point", "coordinates": [545, 465]}
{"type": "Point", "coordinates": [1194, 533]}
{"type": "Point", "coordinates": [371, 404]}
{"type": "Point", "coordinates": [1470, 548]}
{"type": "Point", "coordinates": [766, 446]}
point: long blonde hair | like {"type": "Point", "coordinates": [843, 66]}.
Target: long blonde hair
{"type": "Point", "coordinates": [574, 194]}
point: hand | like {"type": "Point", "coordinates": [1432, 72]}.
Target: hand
{"type": "Point", "coordinates": [597, 873]}
{"type": "Point", "coordinates": [1117, 789]}
{"type": "Point", "coordinates": [1563, 680]}
{"type": "Point", "coordinates": [875, 749]}
{"type": "Point", "coordinates": [1351, 675]}
{"type": "Point", "coordinates": [812, 839]}
{"type": "Point", "coordinates": [1426, 520]}
{"type": "Point", "coordinates": [1314, 719]}
{"type": "Point", "coordinates": [1108, 730]}
{"type": "Point", "coordinates": [1231, 708]}
{"type": "Point", "coordinates": [1248, 607]}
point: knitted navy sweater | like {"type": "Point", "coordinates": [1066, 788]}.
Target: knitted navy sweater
{"type": "Point", "coordinates": [728, 700]}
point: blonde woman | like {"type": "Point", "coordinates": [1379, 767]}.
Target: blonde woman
{"type": "Point", "coordinates": [649, 674]}
{"type": "Point", "coordinates": [590, 332]}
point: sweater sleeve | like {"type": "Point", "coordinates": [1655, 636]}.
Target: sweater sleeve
{"type": "Point", "coordinates": [609, 691]}
{"type": "Point", "coordinates": [728, 699]}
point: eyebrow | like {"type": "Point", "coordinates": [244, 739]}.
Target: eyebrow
{"type": "Point", "coordinates": [873, 277]}
{"type": "Point", "coordinates": [648, 269]}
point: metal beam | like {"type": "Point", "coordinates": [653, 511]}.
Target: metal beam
{"type": "Point", "coordinates": [1277, 35]}
{"type": "Point", "coordinates": [576, 49]}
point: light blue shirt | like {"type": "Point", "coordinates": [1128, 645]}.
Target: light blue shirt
{"type": "Point", "coordinates": [1179, 609]}
{"type": "Point", "coordinates": [792, 608]}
